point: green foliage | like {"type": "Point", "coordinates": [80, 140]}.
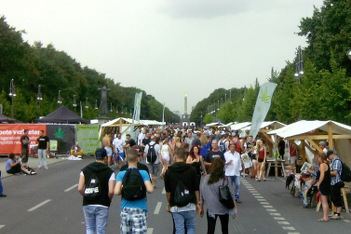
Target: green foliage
{"type": "Point", "coordinates": [31, 66]}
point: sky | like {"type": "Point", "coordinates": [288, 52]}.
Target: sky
{"type": "Point", "coordinates": [169, 47]}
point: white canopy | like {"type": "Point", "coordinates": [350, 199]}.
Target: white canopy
{"type": "Point", "coordinates": [304, 126]}
{"type": "Point", "coordinates": [238, 126]}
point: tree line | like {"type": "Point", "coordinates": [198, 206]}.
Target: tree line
{"type": "Point", "coordinates": [322, 92]}
{"type": "Point", "coordinates": [55, 71]}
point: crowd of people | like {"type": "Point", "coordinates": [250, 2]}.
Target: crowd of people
{"type": "Point", "coordinates": [194, 165]}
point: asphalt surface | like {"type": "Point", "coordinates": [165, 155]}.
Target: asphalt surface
{"type": "Point", "coordinates": [50, 203]}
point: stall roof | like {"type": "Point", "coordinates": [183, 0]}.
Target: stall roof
{"type": "Point", "coordinates": [5, 119]}
{"type": "Point", "coordinates": [62, 115]}
{"type": "Point", "coordinates": [239, 126]}
{"type": "Point", "coordinates": [305, 126]}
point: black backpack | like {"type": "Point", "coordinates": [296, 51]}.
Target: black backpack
{"type": "Point", "coordinates": [345, 172]}
{"type": "Point", "coordinates": [93, 187]}
{"type": "Point", "coordinates": [151, 154]}
{"type": "Point", "coordinates": [133, 185]}
{"type": "Point", "coordinates": [182, 195]}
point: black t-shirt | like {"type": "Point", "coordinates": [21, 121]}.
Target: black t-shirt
{"type": "Point", "coordinates": [146, 141]}
{"type": "Point", "coordinates": [24, 137]}
{"type": "Point", "coordinates": [211, 155]}
{"type": "Point", "coordinates": [42, 142]}
{"type": "Point", "coordinates": [131, 142]}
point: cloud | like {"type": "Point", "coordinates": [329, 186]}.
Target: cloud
{"type": "Point", "coordinates": [205, 9]}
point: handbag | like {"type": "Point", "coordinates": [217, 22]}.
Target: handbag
{"type": "Point", "coordinates": [224, 195]}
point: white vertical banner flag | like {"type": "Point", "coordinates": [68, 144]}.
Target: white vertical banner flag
{"type": "Point", "coordinates": [262, 106]}
{"type": "Point", "coordinates": [136, 113]}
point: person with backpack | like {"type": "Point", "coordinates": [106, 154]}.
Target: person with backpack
{"type": "Point", "coordinates": [336, 184]}
{"type": "Point", "coordinates": [182, 192]}
{"type": "Point", "coordinates": [152, 153]}
{"type": "Point", "coordinates": [133, 184]}
{"type": "Point", "coordinates": [96, 185]}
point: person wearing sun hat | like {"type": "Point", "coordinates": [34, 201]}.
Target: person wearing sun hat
{"type": "Point", "coordinates": [336, 184]}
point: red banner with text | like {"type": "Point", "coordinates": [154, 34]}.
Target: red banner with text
{"type": "Point", "coordinates": [10, 136]}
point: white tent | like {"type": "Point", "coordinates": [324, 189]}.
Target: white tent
{"type": "Point", "coordinates": [311, 132]}
{"type": "Point", "coordinates": [238, 126]}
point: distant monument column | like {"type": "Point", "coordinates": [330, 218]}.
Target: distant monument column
{"type": "Point", "coordinates": [103, 105]}
{"type": "Point", "coordinates": [185, 121]}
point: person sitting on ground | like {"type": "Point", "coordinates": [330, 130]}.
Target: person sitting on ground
{"type": "Point", "coordinates": [76, 151]}
{"type": "Point", "coordinates": [14, 165]}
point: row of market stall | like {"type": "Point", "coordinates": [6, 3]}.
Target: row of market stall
{"type": "Point", "coordinates": [304, 134]}
{"type": "Point", "coordinates": [64, 128]}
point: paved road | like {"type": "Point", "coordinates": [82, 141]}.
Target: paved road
{"type": "Point", "coordinates": [49, 203]}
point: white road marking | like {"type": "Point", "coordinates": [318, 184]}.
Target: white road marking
{"type": "Point", "coordinates": [258, 196]}
{"type": "Point", "coordinates": [158, 207]}
{"type": "Point", "coordinates": [275, 214]}
{"type": "Point", "coordinates": [70, 188]}
{"type": "Point", "coordinates": [268, 206]}
{"type": "Point", "coordinates": [293, 233]}
{"type": "Point", "coordinates": [271, 210]}
{"type": "Point", "coordinates": [1, 226]}
{"type": "Point", "coordinates": [150, 231]}
{"type": "Point", "coordinates": [347, 221]}
{"type": "Point", "coordinates": [261, 199]}
{"type": "Point", "coordinates": [283, 223]}
{"type": "Point", "coordinates": [289, 228]}
{"type": "Point", "coordinates": [264, 203]}
{"type": "Point", "coordinates": [39, 205]}
{"type": "Point", "coordinates": [164, 190]}
{"type": "Point", "coordinates": [279, 218]}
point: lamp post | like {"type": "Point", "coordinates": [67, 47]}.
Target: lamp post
{"type": "Point", "coordinates": [74, 103]}
{"type": "Point", "coordinates": [348, 53]}
{"type": "Point", "coordinates": [201, 119]}
{"type": "Point", "coordinates": [12, 94]}
{"type": "Point", "coordinates": [299, 64]}
{"type": "Point", "coordinates": [59, 100]}
{"type": "Point", "coordinates": [96, 105]}
{"type": "Point", "coordinates": [39, 96]}
{"type": "Point", "coordinates": [86, 103]}
{"type": "Point", "coordinates": [111, 109]}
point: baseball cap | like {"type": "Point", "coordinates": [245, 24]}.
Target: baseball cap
{"type": "Point", "coordinates": [330, 152]}
{"type": "Point", "coordinates": [100, 153]}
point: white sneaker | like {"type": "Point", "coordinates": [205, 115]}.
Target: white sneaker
{"type": "Point", "coordinates": [336, 217]}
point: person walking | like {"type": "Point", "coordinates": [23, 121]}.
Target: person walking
{"type": "Point", "coordinates": [166, 152]}
{"type": "Point", "coordinates": [233, 168]}
{"type": "Point", "coordinates": [196, 160]}
{"type": "Point", "coordinates": [96, 209]}
{"type": "Point", "coordinates": [180, 181]}
{"type": "Point", "coordinates": [323, 178]}
{"type": "Point", "coordinates": [336, 184]}
{"type": "Point", "coordinates": [210, 198]}
{"type": "Point", "coordinates": [107, 143]}
{"type": "Point", "coordinates": [154, 167]}
{"type": "Point", "coordinates": [43, 149]}
{"type": "Point", "coordinates": [262, 155]}
{"type": "Point", "coordinates": [213, 153]}
{"type": "Point", "coordinates": [133, 211]}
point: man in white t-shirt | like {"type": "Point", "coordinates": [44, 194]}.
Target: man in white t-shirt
{"type": "Point", "coordinates": [118, 154]}
{"type": "Point", "coordinates": [154, 167]}
{"type": "Point", "coordinates": [141, 137]}
{"type": "Point", "coordinates": [233, 168]}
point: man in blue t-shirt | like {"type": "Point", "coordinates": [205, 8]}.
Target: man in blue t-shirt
{"type": "Point", "coordinates": [133, 213]}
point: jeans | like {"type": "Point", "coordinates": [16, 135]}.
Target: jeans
{"type": "Point", "coordinates": [236, 181]}
{"type": "Point", "coordinates": [95, 219]}
{"type": "Point", "coordinates": [42, 157]}
{"type": "Point", "coordinates": [1, 189]}
{"type": "Point", "coordinates": [187, 217]}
